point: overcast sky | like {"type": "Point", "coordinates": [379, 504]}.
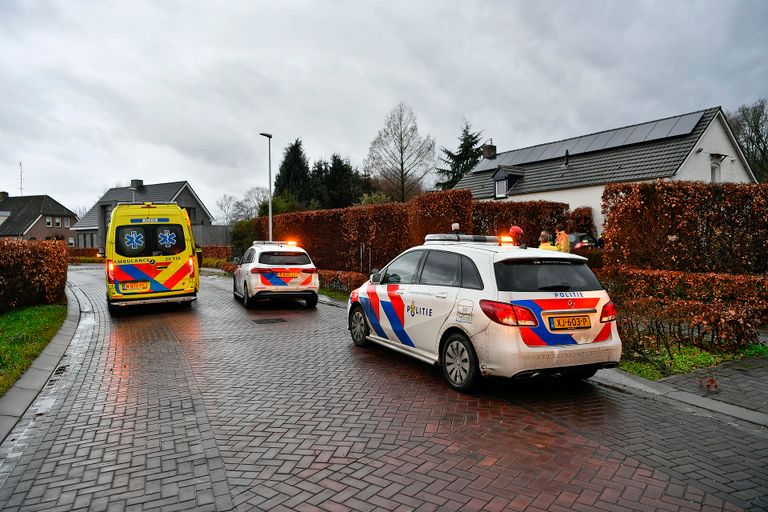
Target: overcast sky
{"type": "Point", "coordinates": [93, 94]}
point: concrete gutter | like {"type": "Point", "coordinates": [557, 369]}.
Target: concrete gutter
{"type": "Point", "coordinates": [15, 402]}
{"type": "Point", "coordinates": [619, 379]}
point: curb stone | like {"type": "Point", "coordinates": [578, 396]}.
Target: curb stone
{"type": "Point", "coordinates": [615, 378]}
{"type": "Point", "coordinates": [15, 402]}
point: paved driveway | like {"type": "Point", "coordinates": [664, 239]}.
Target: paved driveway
{"type": "Point", "coordinates": [274, 408]}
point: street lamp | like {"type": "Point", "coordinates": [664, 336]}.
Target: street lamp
{"type": "Point", "coordinates": [269, 136]}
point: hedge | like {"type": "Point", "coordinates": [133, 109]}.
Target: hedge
{"type": "Point", "coordinates": [32, 272]}
{"type": "Point", "coordinates": [496, 217]}
{"type": "Point", "coordinates": [83, 252]}
{"type": "Point", "coordinates": [687, 226]}
{"type": "Point", "coordinates": [219, 252]}
{"type": "Point", "coordinates": [341, 281]}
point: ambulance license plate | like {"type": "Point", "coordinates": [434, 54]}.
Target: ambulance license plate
{"type": "Point", "coordinates": [136, 286]}
{"type": "Point", "coordinates": [566, 323]}
{"type": "Point", "coordinates": [287, 274]}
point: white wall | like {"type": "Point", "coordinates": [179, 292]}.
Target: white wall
{"type": "Point", "coordinates": [697, 167]}
{"type": "Point", "coordinates": [575, 197]}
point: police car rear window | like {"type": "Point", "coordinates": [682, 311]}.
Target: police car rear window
{"type": "Point", "coordinates": [544, 276]}
{"type": "Point", "coordinates": [284, 258]}
{"type": "Point", "coordinates": [137, 241]}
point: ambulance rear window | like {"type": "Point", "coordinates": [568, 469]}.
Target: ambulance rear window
{"type": "Point", "coordinates": [545, 276]}
{"type": "Point", "coordinates": [284, 258]}
{"type": "Point", "coordinates": [144, 240]}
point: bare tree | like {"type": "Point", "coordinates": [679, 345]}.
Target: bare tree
{"type": "Point", "coordinates": [81, 210]}
{"type": "Point", "coordinates": [399, 157]}
{"type": "Point", "coordinates": [226, 205]}
{"type": "Point", "coordinates": [248, 207]}
{"type": "Point", "coordinates": [750, 126]}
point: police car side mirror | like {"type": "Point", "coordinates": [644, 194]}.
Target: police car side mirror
{"type": "Point", "coordinates": [236, 261]}
{"type": "Point", "coordinates": [376, 276]}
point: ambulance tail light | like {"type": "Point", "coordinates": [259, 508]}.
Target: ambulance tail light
{"type": "Point", "coordinates": [191, 267]}
{"type": "Point", "coordinates": [110, 271]}
{"type": "Point", "coordinates": [609, 312]}
{"type": "Point", "coordinates": [508, 314]}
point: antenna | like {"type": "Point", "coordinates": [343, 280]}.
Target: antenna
{"type": "Point", "coordinates": [21, 180]}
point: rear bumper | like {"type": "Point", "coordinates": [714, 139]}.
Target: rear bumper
{"type": "Point", "coordinates": [158, 300]}
{"type": "Point", "coordinates": [288, 294]}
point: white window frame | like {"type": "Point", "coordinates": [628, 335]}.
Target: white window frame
{"type": "Point", "coordinates": [71, 241]}
{"type": "Point", "coordinates": [504, 190]}
{"type": "Point", "coordinates": [715, 171]}
{"type": "Point", "coordinates": [66, 222]}
{"type": "Point", "coordinates": [49, 222]}
{"type": "Point", "coordinates": [57, 221]}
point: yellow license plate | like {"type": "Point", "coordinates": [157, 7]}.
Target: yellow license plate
{"type": "Point", "coordinates": [287, 274]}
{"type": "Point", "coordinates": [136, 286]}
{"type": "Point", "coordinates": [565, 323]}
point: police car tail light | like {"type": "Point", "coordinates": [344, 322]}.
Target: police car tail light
{"type": "Point", "coordinates": [609, 312]}
{"type": "Point", "coordinates": [310, 270]}
{"type": "Point", "coordinates": [508, 314]}
{"type": "Point", "coordinates": [110, 271]}
{"type": "Point", "coordinates": [191, 267]}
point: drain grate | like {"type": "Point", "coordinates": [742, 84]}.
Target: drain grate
{"type": "Point", "coordinates": [261, 321]}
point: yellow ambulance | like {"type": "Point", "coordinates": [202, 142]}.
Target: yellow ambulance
{"type": "Point", "coordinates": [151, 255]}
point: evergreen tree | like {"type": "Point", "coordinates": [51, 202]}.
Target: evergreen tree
{"type": "Point", "coordinates": [292, 179]}
{"type": "Point", "coordinates": [342, 183]}
{"type": "Point", "coordinates": [463, 160]}
{"type": "Point", "coordinates": [318, 185]}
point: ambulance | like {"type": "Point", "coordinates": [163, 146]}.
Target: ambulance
{"type": "Point", "coordinates": [477, 307]}
{"type": "Point", "coordinates": [151, 255]}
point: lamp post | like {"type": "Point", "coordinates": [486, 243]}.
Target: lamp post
{"type": "Point", "coordinates": [269, 136]}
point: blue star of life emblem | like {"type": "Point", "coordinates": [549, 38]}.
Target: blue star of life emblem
{"type": "Point", "coordinates": [134, 240]}
{"type": "Point", "coordinates": [166, 238]}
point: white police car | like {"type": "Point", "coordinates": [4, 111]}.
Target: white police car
{"type": "Point", "coordinates": [275, 270]}
{"type": "Point", "coordinates": [476, 307]}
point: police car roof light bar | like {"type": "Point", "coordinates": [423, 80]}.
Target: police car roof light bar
{"type": "Point", "coordinates": [453, 237]}
{"type": "Point", "coordinates": [275, 242]}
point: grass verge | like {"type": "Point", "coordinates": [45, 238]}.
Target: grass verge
{"type": "Point", "coordinates": [24, 333]}
{"type": "Point", "coordinates": [335, 294]}
{"type": "Point", "coordinates": [685, 360]}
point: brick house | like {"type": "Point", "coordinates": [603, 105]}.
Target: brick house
{"type": "Point", "coordinates": [36, 218]}
{"type": "Point", "coordinates": [91, 229]}
{"type": "Point", "coordinates": [698, 146]}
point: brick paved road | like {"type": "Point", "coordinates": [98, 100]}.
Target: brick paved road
{"type": "Point", "coordinates": [206, 409]}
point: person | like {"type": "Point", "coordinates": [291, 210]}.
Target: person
{"type": "Point", "coordinates": [561, 239]}
{"type": "Point", "coordinates": [516, 234]}
{"type": "Point", "coordinates": [545, 242]}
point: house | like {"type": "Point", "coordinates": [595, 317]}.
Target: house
{"type": "Point", "coordinates": [91, 230]}
{"type": "Point", "coordinates": [35, 218]}
{"type": "Point", "coordinates": [698, 146]}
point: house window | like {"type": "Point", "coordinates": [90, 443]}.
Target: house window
{"type": "Point", "coordinates": [501, 188]}
{"type": "Point", "coordinates": [66, 222]}
{"type": "Point", "coordinates": [58, 222]}
{"type": "Point", "coordinates": [48, 222]}
{"type": "Point", "coordinates": [71, 241]}
{"type": "Point", "coordinates": [715, 170]}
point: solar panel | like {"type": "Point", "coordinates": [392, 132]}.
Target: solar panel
{"type": "Point", "coordinates": [535, 153]}
{"type": "Point", "coordinates": [552, 151]}
{"type": "Point", "coordinates": [620, 137]}
{"type": "Point", "coordinates": [640, 133]}
{"type": "Point", "coordinates": [661, 129]}
{"type": "Point", "coordinates": [685, 124]}
{"type": "Point", "coordinates": [582, 144]}
{"type": "Point", "coordinates": [600, 141]}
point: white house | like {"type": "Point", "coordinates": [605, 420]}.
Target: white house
{"type": "Point", "coordinates": [698, 146]}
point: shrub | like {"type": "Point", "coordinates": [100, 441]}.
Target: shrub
{"type": "Point", "coordinates": [83, 252]}
{"type": "Point", "coordinates": [495, 217]}
{"type": "Point", "coordinates": [580, 220]}
{"type": "Point", "coordinates": [341, 281]}
{"type": "Point", "coordinates": [435, 212]}
{"type": "Point", "coordinates": [222, 252]}
{"type": "Point", "coordinates": [32, 272]}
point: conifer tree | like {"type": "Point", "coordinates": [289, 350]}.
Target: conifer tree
{"type": "Point", "coordinates": [292, 179]}
{"type": "Point", "coordinates": [463, 160]}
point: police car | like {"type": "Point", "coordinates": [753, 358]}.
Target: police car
{"type": "Point", "coordinates": [272, 270]}
{"type": "Point", "coordinates": [478, 307]}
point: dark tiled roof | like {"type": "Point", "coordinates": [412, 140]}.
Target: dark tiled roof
{"type": "Point", "coordinates": [659, 158]}
{"type": "Point", "coordinates": [25, 209]}
{"type": "Point", "coordinates": [156, 193]}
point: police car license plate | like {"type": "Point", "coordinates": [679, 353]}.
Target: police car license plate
{"type": "Point", "coordinates": [563, 323]}
{"type": "Point", "coordinates": [136, 286]}
{"type": "Point", "coordinates": [287, 274]}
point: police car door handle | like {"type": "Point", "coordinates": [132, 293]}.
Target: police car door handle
{"type": "Point", "coordinates": [399, 292]}
{"type": "Point", "coordinates": [441, 295]}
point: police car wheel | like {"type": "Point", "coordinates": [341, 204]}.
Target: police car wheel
{"type": "Point", "coordinates": [459, 362]}
{"type": "Point", "coordinates": [580, 374]}
{"type": "Point", "coordinates": [311, 302]}
{"type": "Point", "coordinates": [247, 301]}
{"type": "Point", "coordinates": [358, 327]}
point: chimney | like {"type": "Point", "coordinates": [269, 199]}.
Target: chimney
{"type": "Point", "coordinates": [137, 185]}
{"type": "Point", "coordinates": [489, 151]}
{"type": "Point", "coordinates": [3, 195]}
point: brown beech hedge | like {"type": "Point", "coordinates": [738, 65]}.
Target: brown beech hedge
{"type": "Point", "coordinates": [32, 272]}
{"type": "Point", "coordinates": [687, 226]}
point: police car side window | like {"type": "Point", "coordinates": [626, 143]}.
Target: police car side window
{"type": "Point", "coordinates": [403, 269]}
{"type": "Point", "coordinates": [248, 256]}
{"type": "Point", "coordinates": [441, 268]}
{"type": "Point", "coordinates": [470, 277]}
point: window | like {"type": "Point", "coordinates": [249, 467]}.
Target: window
{"type": "Point", "coordinates": [715, 170]}
{"type": "Point", "coordinates": [403, 269]}
{"type": "Point", "coordinates": [544, 276]}
{"type": "Point", "coordinates": [441, 268]}
{"type": "Point", "coordinates": [71, 241]}
{"type": "Point", "coordinates": [66, 222]}
{"type": "Point", "coordinates": [284, 258]}
{"type": "Point", "coordinates": [501, 188]}
{"type": "Point", "coordinates": [149, 240]}
{"type": "Point", "coordinates": [58, 222]}
{"type": "Point", "coordinates": [248, 256]}
{"type": "Point", "coordinates": [470, 277]}
{"type": "Point", "coordinates": [48, 222]}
